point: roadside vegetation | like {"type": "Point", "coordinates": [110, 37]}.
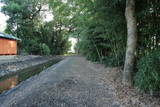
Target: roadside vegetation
{"type": "Point", "coordinates": [122, 33]}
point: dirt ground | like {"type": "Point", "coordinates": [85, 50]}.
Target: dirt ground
{"type": "Point", "coordinates": [75, 82]}
{"type": "Point", "coordinates": [129, 96]}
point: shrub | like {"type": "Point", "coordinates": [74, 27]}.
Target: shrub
{"type": "Point", "coordinates": [148, 76]}
{"type": "Point", "coordinates": [32, 47]}
{"type": "Point", "coordinates": [114, 60]}
{"type": "Point", "coordinates": [44, 49]}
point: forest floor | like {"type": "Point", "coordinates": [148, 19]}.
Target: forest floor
{"type": "Point", "coordinates": [76, 82]}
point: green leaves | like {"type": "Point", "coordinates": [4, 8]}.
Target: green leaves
{"type": "Point", "coordinates": [25, 22]}
{"type": "Point", "coordinates": [148, 75]}
{"type": "Point", "coordinates": [101, 29]}
{"type": "Point", "coordinates": [44, 49]}
{"type": "Point", "coordinates": [14, 7]}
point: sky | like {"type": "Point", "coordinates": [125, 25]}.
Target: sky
{"type": "Point", "coordinates": [3, 19]}
{"type": "Point", "coordinates": [73, 42]}
{"type": "Point", "coordinates": [47, 16]}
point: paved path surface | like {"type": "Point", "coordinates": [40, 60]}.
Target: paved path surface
{"type": "Point", "coordinates": [74, 82]}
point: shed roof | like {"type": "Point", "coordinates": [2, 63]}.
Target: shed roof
{"type": "Point", "coordinates": [8, 36]}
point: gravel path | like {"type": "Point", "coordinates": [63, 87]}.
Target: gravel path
{"type": "Point", "coordinates": [74, 82]}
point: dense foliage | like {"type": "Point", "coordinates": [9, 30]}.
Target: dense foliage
{"type": "Point", "coordinates": [148, 75]}
{"type": "Point", "coordinates": [98, 25]}
{"type": "Point", "coordinates": [102, 29]}
{"type": "Point", "coordinates": [26, 22]}
{"type": "Point", "coordinates": [44, 49]}
{"type": "Point", "coordinates": [148, 16]}
{"type": "Point", "coordinates": [101, 35]}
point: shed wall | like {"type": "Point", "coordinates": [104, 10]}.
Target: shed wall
{"type": "Point", "coordinates": [8, 47]}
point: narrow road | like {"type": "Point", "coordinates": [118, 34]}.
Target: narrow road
{"type": "Point", "coordinates": [74, 82]}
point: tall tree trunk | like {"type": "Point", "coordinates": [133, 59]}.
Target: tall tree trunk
{"type": "Point", "coordinates": [131, 42]}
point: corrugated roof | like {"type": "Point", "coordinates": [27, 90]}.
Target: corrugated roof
{"type": "Point", "coordinates": [8, 36]}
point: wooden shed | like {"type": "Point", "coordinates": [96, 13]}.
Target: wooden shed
{"type": "Point", "coordinates": [8, 44]}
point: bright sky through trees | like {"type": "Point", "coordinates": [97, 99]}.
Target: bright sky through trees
{"type": "Point", "coordinates": [47, 16]}
{"type": "Point", "coordinates": [3, 19]}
